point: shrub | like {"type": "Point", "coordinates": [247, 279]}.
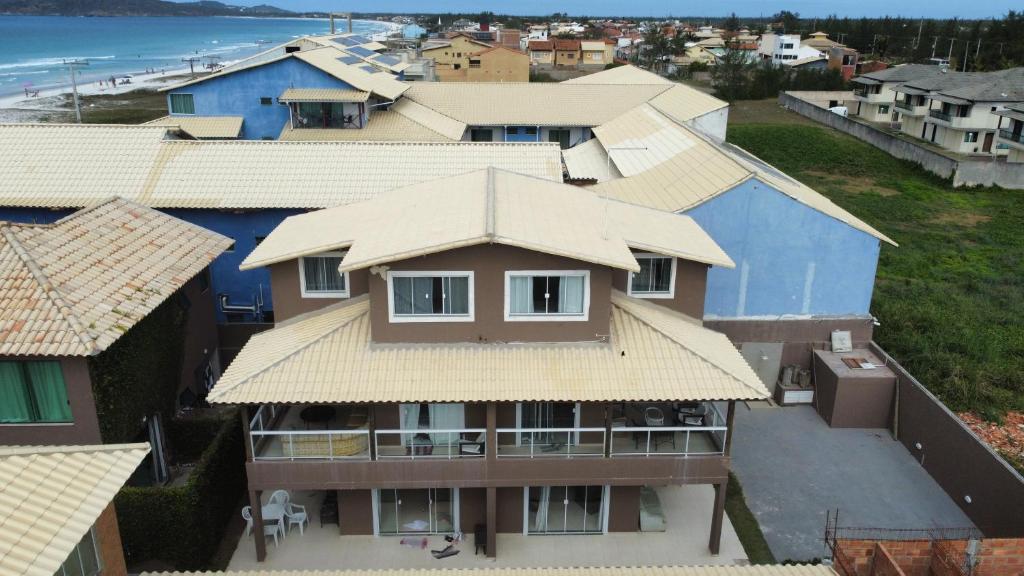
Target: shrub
{"type": "Point", "coordinates": [182, 526]}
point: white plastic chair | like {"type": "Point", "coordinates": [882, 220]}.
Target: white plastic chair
{"type": "Point", "coordinates": [653, 416]}
{"type": "Point", "coordinates": [247, 515]}
{"type": "Point", "coordinates": [272, 529]}
{"type": "Point", "coordinates": [281, 497]}
{"type": "Point", "coordinates": [296, 514]}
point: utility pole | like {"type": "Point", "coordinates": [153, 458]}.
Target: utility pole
{"type": "Point", "coordinates": [934, 42]}
{"type": "Point", "coordinates": [950, 56]}
{"type": "Point", "coordinates": [977, 49]}
{"type": "Point", "coordinates": [73, 66]}
{"type": "Point", "coordinates": [920, 27]}
{"type": "Point", "coordinates": [967, 49]}
{"type": "Point", "coordinates": [191, 65]}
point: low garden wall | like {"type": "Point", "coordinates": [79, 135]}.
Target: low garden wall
{"type": "Point", "coordinates": [181, 527]}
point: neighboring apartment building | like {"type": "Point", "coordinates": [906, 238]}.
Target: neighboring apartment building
{"type": "Point", "coordinates": [959, 111]}
{"type": "Point", "coordinates": [1011, 131]}
{"type": "Point", "coordinates": [496, 64]}
{"type": "Point", "coordinates": [844, 60]}
{"type": "Point", "coordinates": [874, 93]}
{"type": "Point", "coordinates": [241, 190]}
{"type": "Point", "coordinates": [783, 48]}
{"type": "Point", "coordinates": [453, 55]}
{"type": "Point", "coordinates": [499, 362]}
{"type": "Point", "coordinates": [58, 515]}
{"type": "Point", "coordinates": [80, 292]}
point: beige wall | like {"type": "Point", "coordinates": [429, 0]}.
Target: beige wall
{"type": "Point", "coordinates": [458, 53]}
{"type": "Point", "coordinates": [489, 263]}
{"type": "Point", "coordinates": [500, 66]}
{"type": "Point", "coordinates": [542, 56]}
{"type": "Point", "coordinates": [567, 57]}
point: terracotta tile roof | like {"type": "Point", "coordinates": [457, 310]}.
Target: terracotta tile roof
{"type": "Point", "coordinates": [541, 45]}
{"type": "Point", "coordinates": [52, 495]}
{"type": "Point", "coordinates": [652, 354]}
{"type": "Point", "coordinates": [73, 287]}
{"type": "Point", "coordinates": [562, 44]}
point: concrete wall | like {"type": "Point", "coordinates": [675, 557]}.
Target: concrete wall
{"type": "Point", "coordinates": [964, 466]}
{"type": "Point", "coordinates": [982, 172]}
{"type": "Point", "coordinates": [239, 94]}
{"type": "Point", "coordinates": [790, 259]}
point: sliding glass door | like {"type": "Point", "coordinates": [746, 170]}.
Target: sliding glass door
{"type": "Point", "coordinates": [565, 509]}
{"type": "Point", "coordinates": [416, 510]}
{"type": "Point", "coordinates": [548, 415]}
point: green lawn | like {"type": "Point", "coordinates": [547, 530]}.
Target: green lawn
{"type": "Point", "coordinates": [950, 298]}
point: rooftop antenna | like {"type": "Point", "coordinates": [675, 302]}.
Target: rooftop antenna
{"type": "Point", "coordinates": [73, 66]}
{"type": "Point", "coordinates": [191, 64]}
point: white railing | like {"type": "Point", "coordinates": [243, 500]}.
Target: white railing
{"type": "Point", "coordinates": [265, 414]}
{"type": "Point", "coordinates": [666, 440]}
{"type": "Point", "coordinates": [550, 442]}
{"type": "Point", "coordinates": [311, 444]}
{"type": "Point", "coordinates": [434, 444]}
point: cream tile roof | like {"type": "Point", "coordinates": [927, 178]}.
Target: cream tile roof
{"type": "Point", "coordinates": [70, 166]}
{"type": "Point", "coordinates": [682, 103]}
{"type": "Point", "coordinates": [627, 74]}
{"type": "Point", "coordinates": [52, 495]}
{"type": "Point", "coordinates": [589, 161]}
{"type": "Point", "coordinates": [762, 570]}
{"type": "Point", "coordinates": [530, 104]}
{"type": "Point", "coordinates": [444, 125]}
{"type": "Point", "coordinates": [484, 207]}
{"type": "Point", "coordinates": [323, 95]}
{"type": "Point", "coordinates": [681, 169]}
{"type": "Point", "coordinates": [653, 354]}
{"type": "Point", "coordinates": [73, 287]}
{"type": "Point", "coordinates": [203, 127]}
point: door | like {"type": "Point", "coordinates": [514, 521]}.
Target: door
{"type": "Point", "coordinates": [987, 146]}
{"type": "Point", "coordinates": [548, 415]}
{"type": "Point", "coordinates": [565, 509]}
{"type": "Point", "coordinates": [416, 511]}
{"type": "Point", "coordinates": [933, 132]}
{"type": "Point", "coordinates": [561, 136]}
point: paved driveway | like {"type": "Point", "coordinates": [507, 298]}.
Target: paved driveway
{"type": "Point", "coordinates": [794, 468]}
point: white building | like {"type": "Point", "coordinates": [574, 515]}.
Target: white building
{"type": "Point", "coordinates": [782, 48]}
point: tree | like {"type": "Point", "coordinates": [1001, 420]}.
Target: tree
{"type": "Point", "coordinates": [731, 76]}
{"type": "Point", "coordinates": [656, 45]}
{"type": "Point", "coordinates": [732, 23]}
{"type": "Point", "coordinates": [790, 21]}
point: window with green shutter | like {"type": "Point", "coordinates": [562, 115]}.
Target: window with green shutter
{"type": "Point", "coordinates": [33, 392]}
{"type": "Point", "coordinates": [182, 104]}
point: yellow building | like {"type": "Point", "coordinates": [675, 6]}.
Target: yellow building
{"type": "Point", "coordinates": [454, 53]}
{"type": "Point", "coordinates": [596, 53]}
{"type": "Point", "coordinates": [495, 64]}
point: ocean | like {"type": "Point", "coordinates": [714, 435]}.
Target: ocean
{"type": "Point", "coordinates": [33, 47]}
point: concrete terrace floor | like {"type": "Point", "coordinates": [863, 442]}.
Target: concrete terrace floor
{"type": "Point", "coordinates": [687, 510]}
{"type": "Point", "coordinates": [794, 468]}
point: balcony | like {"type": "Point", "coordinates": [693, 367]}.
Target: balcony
{"type": "Point", "coordinates": [1011, 138]}
{"type": "Point", "coordinates": [872, 97]}
{"type": "Point", "coordinates": [955, 121]}
{"type": "Point", "coordinates": [911, 109]}
{"type": "Point", "coordinates": [939, 115]}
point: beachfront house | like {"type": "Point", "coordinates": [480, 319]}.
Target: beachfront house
{"type": "Point", "coordinates": [518, 356]}
{"type": "Point", "coordinates": [85, 300]}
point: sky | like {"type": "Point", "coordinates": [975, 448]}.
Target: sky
{"type": "Point", "coordinates": [806, 8]}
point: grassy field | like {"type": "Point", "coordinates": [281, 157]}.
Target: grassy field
{"type": "Point", "coordinates": [950, 299]}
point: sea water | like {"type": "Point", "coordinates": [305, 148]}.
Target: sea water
{"type": "Point", "coordinates": [32, 48]}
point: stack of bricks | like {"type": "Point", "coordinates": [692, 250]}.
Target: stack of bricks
{"type": "Point", "coordinates": [996, 557]}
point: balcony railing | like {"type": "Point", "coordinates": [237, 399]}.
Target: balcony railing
{"type": "Point", "coordinates": [550, 442]}
{"type": "Point", "coordinates": [430, 444]}
{"type": "Point", "coordinates": [940, 115]}
{"type": "Point", "coordinates": [310, 444]}
{"type": "Point", "coordinates": [904, 105]}
{"type": "Point", "coordinates": [671, 440]}
{"type": "Point", "coordinates": [1008, 135]}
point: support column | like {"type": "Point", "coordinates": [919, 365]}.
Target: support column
{"type": "Point", "coordinates": [714, 543]}
{"type": "Point", "coordinates": [491, 440]}
{"type": "Point", "coordinates": [608, 430]}
{"type": "Point", "coordinates": [729, 417]}
{"type": "Point", "coordinates": [243, 412]}
{"type": "Point", "coordinates": [492, 521]}
{"type": "Point", "coordinates": [256, 509]}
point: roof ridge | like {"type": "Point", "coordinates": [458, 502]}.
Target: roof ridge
{"type": "Point", "coordinates": [623, 302]}
{"type": "Point", "coordinates": [56, 298]}
{"type": "Point", "coordinates": [351, 303]}
{"type": "Point", "coordinates": [33, 449]}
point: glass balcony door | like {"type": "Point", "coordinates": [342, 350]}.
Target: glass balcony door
{"type": "Point", "coordinates": [416, 511]}
{"type": "Point", "coordinates": [534, 415]}
{"type": "Point", "coordinates": [565, 509]}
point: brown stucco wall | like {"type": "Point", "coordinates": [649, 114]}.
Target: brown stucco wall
{"type": "Point", "coordinates": [489, 263]}
{"type": "Point", "coordinates": [108, 541]}
{"type": "Point", "coordinates": [957, 459]}
{"type": "Point", "coordinates": [510, 510]}
{"type": "Point", "coordinates": [801, 336]}
{"type": "Point", "coordinates": [624, 515]}
{"type": "Point", "coordinates": [84, 429]}
{"type": "Point", "coordinates": [287, 291]}
{"type": "Point", "coordinates": [690, 287]}
{"type": "Point", "coordinates": [473, 508]}
{"type": "Point", "coordinates": [356, 516]}
{"type": "Point", "coordinates": [201, 337]}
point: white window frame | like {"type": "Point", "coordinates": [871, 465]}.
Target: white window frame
{"type": "Point", "coordinates": [76, 551]}
{"type": "Point", "coordinates": [653, 295]}
{"type": "Point", "coordinates": [549, 317]}
{"type": "Point", "coordinates": [169, 99]}
{"type": "Point", "coordinates": [322, 294]}
{"type": "Point", "coordinates": [429, 317]}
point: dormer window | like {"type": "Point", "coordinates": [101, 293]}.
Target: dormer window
{"type": "Point", "coordinates": [552, 295]}
{"type": "Point", "coordinates": [430, 296]}
{"type": "Point", "coordinates": [319, 276]}
{"type": "Point", "coordinates": [656, 278]}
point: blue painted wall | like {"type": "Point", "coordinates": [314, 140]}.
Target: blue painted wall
{"type": "Point", "coordinates": [225, 277]}
{"type": "Point", "coordinates": [239, 93]}
{"type": "Point", "coordinates": [790, 259]}
{"type": "Point", "coordinates": [521, 135]}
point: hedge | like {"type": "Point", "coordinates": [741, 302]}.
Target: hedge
{"type": "Point", "coordinates": [182, 526]}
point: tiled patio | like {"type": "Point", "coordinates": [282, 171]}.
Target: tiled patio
{"type": "Point", "coordinates": [687, 510]}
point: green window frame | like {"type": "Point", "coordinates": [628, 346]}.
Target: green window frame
{"type": "Point", "coordinates": [33, 392]}
{"type": "Point", "coordinates": [182, 104]}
